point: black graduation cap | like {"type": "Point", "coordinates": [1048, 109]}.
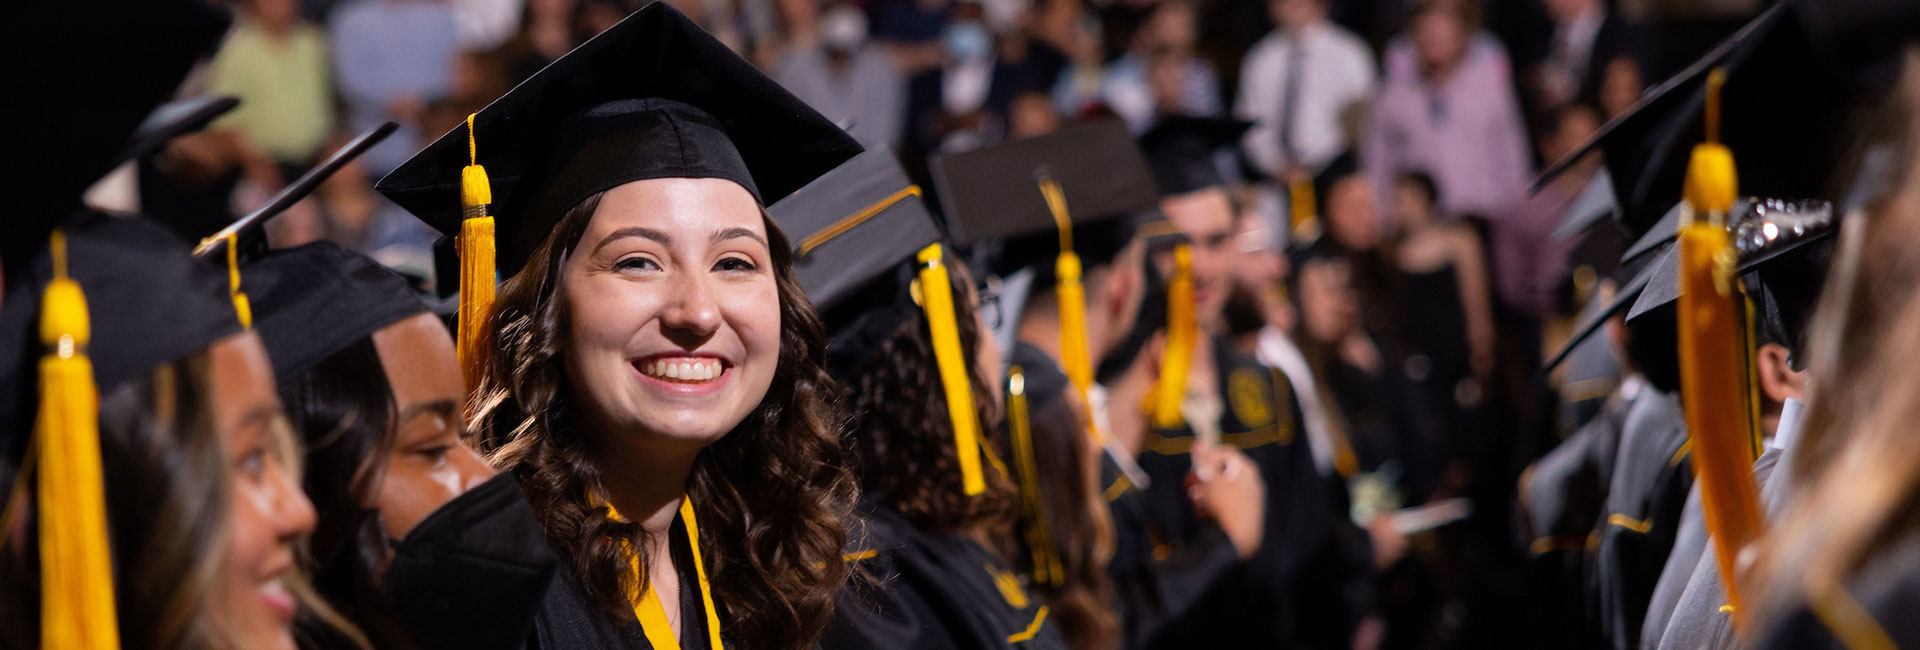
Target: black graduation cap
{"type": "Point", "coordinates": [1181, 150]}
{"type": "Point", "coordinates": [1783, 116]}
{"type": "Point", "coordinates": [312, 301]}
{"type": "Point", "coordinates": [1662, 232]}
{"type": "Point", "coordinates": [1593, 319]}
{"type": "Point", "coordinates": [858, 222]}
{"type": "Point", "coordinates": [148, 302]}
{"type": "Point", "coordinates": [1594, 203]}
{"type": "Point", "coordinates": [1766, 230]}
{"type": "Point", "coordinates": [652, 97]}
{"type": "Point", "coordinates": [171, 120]}
{"type": "Point", "coordinates": [994, 193]}
{"type": "Point", "coordinates": [1861, 41]}
{"type": "Point", "coordinates": [99, 69]}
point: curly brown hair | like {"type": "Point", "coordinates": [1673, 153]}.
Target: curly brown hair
{"type": "Point", "coordinates": [773, 496]}
{"type": "Point", "coordinates": [903, 439]}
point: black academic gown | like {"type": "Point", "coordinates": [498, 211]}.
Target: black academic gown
{"type": "Point", "coordinates": [1311, 580]}
{"type": "Point", "coordinates": [1561, 496]}
{"type": "Point", "coordinates": [569, 621]}
{"type": "Point", "coordinates": [1158, 584]}
{"type": "Point", "coordinates": [1887, 589]}
{"type": "Point", "coordinates": [1645, 498]}
{"type": "Point", "coordinates": [933, 591]}
{"type": "Point", "coordinates": [472, 575]}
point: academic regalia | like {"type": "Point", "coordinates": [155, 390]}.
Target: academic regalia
{"type": "Point", "coordinates": [1877, 605]}
{"type": "Point", "coordinates": [863, 240]}
{"type": "Point", "coordinates": [1636, 531]}
{"type": "Point", "coordinates": [652, 97]}
{"type": "Point", "coordinates": [1560, 498]}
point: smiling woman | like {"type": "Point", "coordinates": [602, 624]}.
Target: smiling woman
{"type": "Point", "coordinates": [651, 372]}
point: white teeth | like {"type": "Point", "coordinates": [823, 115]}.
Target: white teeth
{"type": "Point", "coordinates": [696, 370]}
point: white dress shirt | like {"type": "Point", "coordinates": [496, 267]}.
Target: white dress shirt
{"type": "Point", "coordinates": [1338, 71]}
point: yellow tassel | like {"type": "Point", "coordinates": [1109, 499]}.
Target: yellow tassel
{"type": "Point", "coordinates": [1182, 334]}
{"type": "Point", "coordinates": [1302, 200]}
{"type": "Point", "coordinates": [1072, 296]}
{"type": "Point", "coordinates": [936, 298]}
{"type": "Point", "coordinates": [476, 246]}
{"type": "Point", "coordinates": [76, 568]}
{"type": "Point", "coordinates": [1046, 559]}
{"type": "Point", "coordinates": [1711, 354]}
{"type": "Point", "coordinates": [242, 308]}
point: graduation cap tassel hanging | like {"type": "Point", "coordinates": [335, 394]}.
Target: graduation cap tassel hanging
{"type": "Point", "coordinates": [1711, 350]}
{"type": "Point", "coordinates": [1182, 333]}
{"type": "Point", "coordinates": [935, 295]}
{"type": "Point", "coordinates": [242, 308]}
{"type": "Point", "coordinates": [476, 260]}
{"type": "Point", "coordinates": [1047, 569]}
{"type": "Point", "coordinates": [76, 570]}
{"type": "Point", "coordinates": [1072, 297]}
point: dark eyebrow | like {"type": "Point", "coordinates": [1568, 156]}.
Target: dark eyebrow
{"type": "Point", "coordinates": [644, 233]}
{"type": "Point", "coordinates": [735, 233]}
{"type": "Point", "coordinates": [441, 407]}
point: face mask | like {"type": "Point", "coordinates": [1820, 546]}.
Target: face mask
{"type": "Point", "coordinates": [474, 573]}
{"type": "Point", "coordinates": [843, 28]}
{"type": "Point", "coordinates": [967, 40]}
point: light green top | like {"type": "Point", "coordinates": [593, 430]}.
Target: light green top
{"type": "Point", "coordinates": [286, 100]}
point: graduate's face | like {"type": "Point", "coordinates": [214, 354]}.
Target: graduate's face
{"type": "Point", "coordinates": [1206, 217]}
{"type": "Point", "coordinates": [428, 463]}
{"type": "Point", "coordinates": [673, 312]}
{"type": "Point", "coordinates": [254, 605]}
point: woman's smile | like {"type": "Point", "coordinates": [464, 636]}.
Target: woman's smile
{"type": "Point", "coordinates": [683, 374]}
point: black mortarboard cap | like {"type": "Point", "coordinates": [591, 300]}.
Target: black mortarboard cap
{"type": "Point", "coordinates": [1594, 203]}
{"type": "Point", "coordinates": [1181, 151]}
{"type": "Point", "coordinates": [1782, 117]}
{"type": "Point", "coordinates": [171, 120]}
{"type": "Point", "coordinates": [1768, 229]}
{"type": "Point", "coordinates": [1861, 41]}
{"type": "Point", "coordinates": [148, 302]}
{"type": "Point", "coordinates": [652, 97]}
{"type": "Point", "coordinates": [312, 301]}
{"type": "Point", "coordinates": [1662, 232]}
{"type": "Point", "coordinates": [97, 69]}
{"type": "Point", "coordinates": [1593, 319]}
{"type": "Point", "coordinates": [994, 193]}
{"type": "Point", "coordinates": [856, 223]}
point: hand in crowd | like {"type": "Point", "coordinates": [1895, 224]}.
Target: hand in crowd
{"type": "Point", "coordinates": [1388, 544]}
{"type": "Point", "coordinates": [1227, 487]}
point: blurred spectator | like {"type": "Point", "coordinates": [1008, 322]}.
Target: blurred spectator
{"type": "Point", "coordinates": [1294, 86]}
{"type": "Point", "coordinates": [1077, 89]}
{"type": "Point", "coordinates": [1586, 38]}
{"type": "Point", "coordinates": [551, 28]}
{"type": "Point", "coordinates": [831, 66]}
{"type": "Point", "coordinates": [486, 24]}
{"type": "Point", "coordinates": [963, 103]}
{"type": "Point", "coordinates": [913, 29]}
{"type": "Point", "coordinates": [1031, 114]}
{"type": "Point", "coordinates": [1460, 122]}
{"type": "Point", "coordinates": [1446, 316]}
{"type": "Point", "coordinates": [393, 58]}
{"type": "Point", "coordinates": [1402, 58]}
{"type": "Point", "coordinates": [1168, 35]}
{"type": "Point", "coordinates": [275, 62]}
{"type": "Point", "coordinates": [1620, 87]}
{"type": "Point", "coordinates": [1527, 266]}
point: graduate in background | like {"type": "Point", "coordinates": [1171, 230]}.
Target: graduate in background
{"type": "Point", "coordinates": [920, 380]}
{"type": "Point", "coordinates": [651, 372]}
{"type": "Point", "coordinates": [1071, 236]}
{"type": "Point", "coordinates": [1310, 583]}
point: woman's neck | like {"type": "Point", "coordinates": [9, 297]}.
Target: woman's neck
{"type": "Point", "coordinates": [649, 484]}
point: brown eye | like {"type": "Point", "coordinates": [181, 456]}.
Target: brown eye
{"type": "Point", "coordinates": [734, 264]}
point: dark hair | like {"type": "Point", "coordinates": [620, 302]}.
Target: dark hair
{"type": "Point", "coordinates": [773, 496]}
{"type": "Point", "coordinates": [342, 410]}
{"type": "Point", "coordinates": [166, 513]}
{"type": "Point", "coordinates": [902, 440]}
{"type": "Point", "coordinates": [1077, 517]}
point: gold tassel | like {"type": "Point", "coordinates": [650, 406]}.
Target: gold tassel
{"type": "Point", "coordinates": [476, 245]}
{"type": "Point", "coordinates": [1711, 351]}
{"type": "Point", "coordinates": [1304, 213]}
{"type": "Point", "coordinates": [935, 295]}
{"type": "Point", "coordinates": [1072, 296]}
{"type": "Point", "coordinates": [1047, 568]}
{"type": "Point", "coordinates": [1182, 334]}
{"type": "Point", "coordinates": [76, 567]}
{"type": "Point", "coordinates": [242, 308]}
